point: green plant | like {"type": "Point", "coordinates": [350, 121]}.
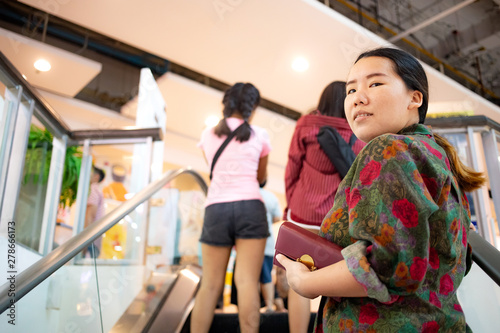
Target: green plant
{"type": "Point", "coordinates": [37, 163]}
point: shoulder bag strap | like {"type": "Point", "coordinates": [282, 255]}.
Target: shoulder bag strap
{"type": "Point", "coordinates": [222, 147]}
{"type": "Point", "coordinates": [319, 315]}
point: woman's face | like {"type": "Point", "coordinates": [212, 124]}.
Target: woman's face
{"type": "Point", "coordinates": [378, 101]}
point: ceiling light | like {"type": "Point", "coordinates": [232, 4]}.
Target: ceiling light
{"type": "Point", "coordinates": [211, 121]}
{"type": "Point", "coordinates": [24, 76]}
{"type": "Point", "coordinates": [42, 65]}
{"type": "Point", "coordinates": [300, 64]}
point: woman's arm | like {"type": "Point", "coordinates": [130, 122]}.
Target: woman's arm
{"type": "Point", "coordinates": [333, 281]}
{"type": "Point", "coordinates": [262, 169]}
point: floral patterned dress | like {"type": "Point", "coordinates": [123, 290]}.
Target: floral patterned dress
{"type": "Point", "coordinates": [403, 223]}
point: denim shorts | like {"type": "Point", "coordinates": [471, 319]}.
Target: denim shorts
{"type": "Point", "coordinates": [225, 222]}
{"type": "Point", "coordinates": [267, 267]}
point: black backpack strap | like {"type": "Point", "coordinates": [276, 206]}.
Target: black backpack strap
{"type": "Point", "coordinates": [222, 147]}
{"type": "Point", "coordinates": [353, 139]}
{"type": "Point", "coordinates": [337, 149]}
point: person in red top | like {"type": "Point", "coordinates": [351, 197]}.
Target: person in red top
{"type": "Point", "coordinates": [311, 180]}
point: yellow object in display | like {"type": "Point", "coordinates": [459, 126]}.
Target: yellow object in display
{"type": "Point", "coordinates": [113, 242]}
{"type": "Point", "coordinates": [115, 191]}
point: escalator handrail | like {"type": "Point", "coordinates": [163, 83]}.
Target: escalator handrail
{"type": "Point", "coordinates": [43, 268]}
{"type": "Point", "coordinates": [485, 256]}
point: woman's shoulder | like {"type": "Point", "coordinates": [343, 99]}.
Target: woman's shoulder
{"type": "Point", "coordinates": [386, 140]}
{"type": "Point", "coordinates": [392, 144]}
{"type": "Point", "coordinates": [207, 137]}
{"type": "Point", "coordinates": [260, 131]}
{"type": "Point", "coordinates": [391, 138]}
{"type": "Point", "coordinates": [411, 144]}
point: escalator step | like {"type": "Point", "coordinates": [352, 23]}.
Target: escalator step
{"type": "Point", "coordinates": [276, 322]}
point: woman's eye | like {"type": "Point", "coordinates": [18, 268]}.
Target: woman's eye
{"type": "Point", "coordinates": [375, 84]}
{"type": "Point", "coordinates": [350, 91]}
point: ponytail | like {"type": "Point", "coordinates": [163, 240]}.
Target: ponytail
{"type": "Point", "coordinates": [241, 98]}
{"type": "Point", "coordinates": [222, 128]}
{"type": "Point", "coordinates": [467, 178]}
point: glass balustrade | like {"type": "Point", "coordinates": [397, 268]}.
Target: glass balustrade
{"type": "Point", "coordinates": [103, 294]}
{"type": "Point", "coordinates": [8, 112]}
{"type": "Point", "coordinates": [479, 297]}
{"type": "Point", "coordinates": [170, 243]}
{"type": "Point", "coordinates": [67, 301]}
{"type": "Point", "coordinates": [36, 148]}
{"type": "Point", "coordinates": [32, 194]}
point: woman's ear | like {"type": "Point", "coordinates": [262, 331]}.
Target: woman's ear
{"type": "Point", "coordinates": [416, 100]}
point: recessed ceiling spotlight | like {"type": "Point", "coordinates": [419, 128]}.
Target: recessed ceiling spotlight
{"type": "Point", "coordinates": [42, 65]}
{"type": "Point", "coordinates": [300, 64]}
{"type": "Point", "coordinates": [211, 121]}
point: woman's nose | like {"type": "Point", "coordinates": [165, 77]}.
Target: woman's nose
{"type": "Point", "coordinates": [360, 98]}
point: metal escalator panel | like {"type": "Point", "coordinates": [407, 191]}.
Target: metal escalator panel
{"type": "Point", "coordinates": [164, 303]}
{"type": "Point", "coordinates": [179, 303]}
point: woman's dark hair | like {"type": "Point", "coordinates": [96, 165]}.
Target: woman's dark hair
{"type": "Point", "coordinates": [331, 102]}
{"type": "Point", "coordinates": [413, 75]}
{"type": "Point", "coordinates": [100, 172]}
{"type": "Point", "coordinates": [409, 69]}
{"type": "Point", "coordinates": [241, 98]}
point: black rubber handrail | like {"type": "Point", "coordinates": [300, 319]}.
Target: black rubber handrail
{"type": "Point", "coordinates": [485, 256]}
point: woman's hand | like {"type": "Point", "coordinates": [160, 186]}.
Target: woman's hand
{"type": "Point", "coordinates": [296, 274]}
{"type": "Point", "coordinates": [333, 281]}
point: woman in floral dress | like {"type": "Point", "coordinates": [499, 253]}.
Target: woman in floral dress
{"type": "Point", "coordinates": [401, 213]}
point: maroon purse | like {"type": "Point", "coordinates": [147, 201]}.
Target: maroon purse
{"type": "Point", "coordinates": [303, 246]}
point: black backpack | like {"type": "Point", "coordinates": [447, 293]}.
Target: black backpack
{"type": "Point", "coordinates": [337, 149]}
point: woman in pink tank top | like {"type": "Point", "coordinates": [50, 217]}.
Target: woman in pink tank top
{"type": "Point", "coordinates": [234, 212]}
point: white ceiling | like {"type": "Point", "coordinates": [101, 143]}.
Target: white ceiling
{"type": "Point", "coordinates": [238, 40]}
{"type": "Point", "coordinates": [69, 72]}
{"type": "Point", "coordinates": [231, 41]}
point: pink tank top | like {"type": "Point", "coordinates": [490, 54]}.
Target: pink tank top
{"type": "Point", "coordinates": [235, 173]}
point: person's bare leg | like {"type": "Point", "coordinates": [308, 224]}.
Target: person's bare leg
{"type": "Point", "coordinates": [281, 289]}
{"type": "Point", "coordinates": [249, 258]}
{"type": "Point", "coordinates": [280, 305]}
{"type": "Point", "coordinates": [267, 290]}
{"type": "Point", "coordinates": [299, 312]}
{"type": "Point", "coordinates": [215, 259]}
{"type": "Point", "coordinates": [299, 308]}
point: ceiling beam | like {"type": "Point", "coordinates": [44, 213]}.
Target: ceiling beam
{"type": "Point", "coordinates": [430, 20]}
